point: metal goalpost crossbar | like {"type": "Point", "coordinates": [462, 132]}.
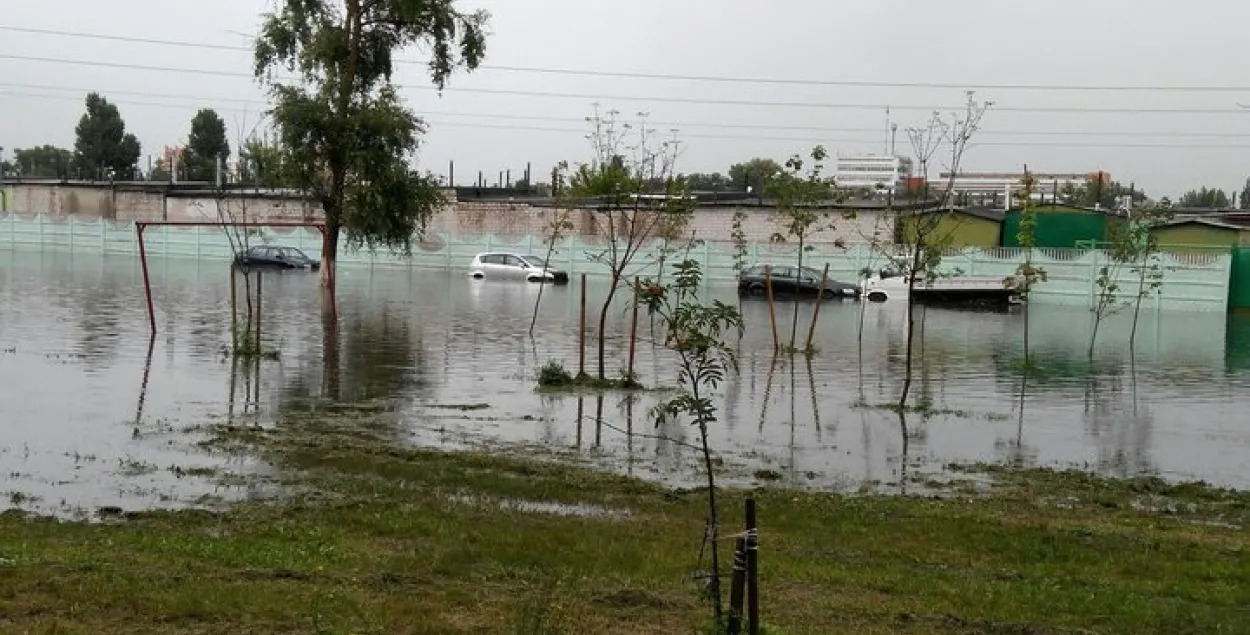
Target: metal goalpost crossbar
{"type": "Point", "coordinates": [140, 226]}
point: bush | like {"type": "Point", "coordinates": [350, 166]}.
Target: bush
{"type": "Point", "coordinates": [553, 374]}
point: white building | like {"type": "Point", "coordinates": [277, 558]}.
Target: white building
{"type": "Point", "coordinates": [1006, 184]}
{"type": "Point", "coordinates": [871, 171]}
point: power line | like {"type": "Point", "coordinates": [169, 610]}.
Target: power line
{"type": "Point", "coordinates": [688, 78]}
{"type": "Point", "coordinates": [687, 100]}
{"type": "Point", "coordinates": [794, 139]}
{"type": "Point", "coordinates": [199, 100]}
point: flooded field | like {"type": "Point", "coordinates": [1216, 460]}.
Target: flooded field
{"type": "Point", "coordinates": [93, 416]}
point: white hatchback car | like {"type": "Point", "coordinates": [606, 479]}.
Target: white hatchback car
{"type": "Point", "coordinates": [509, 266]}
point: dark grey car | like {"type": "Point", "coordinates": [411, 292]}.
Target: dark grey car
{"type": "Point", "coordinates": [793, 282]}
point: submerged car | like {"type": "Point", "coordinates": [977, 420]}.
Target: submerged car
{"type": "Point", "coordinates": [275, 257]}
{"type": "Point", "coordinates": [793, 282]}
{"type": "Point", "coordinates": [510, 266]}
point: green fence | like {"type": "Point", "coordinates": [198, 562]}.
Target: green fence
{"type": "Point", "coordinates": [1058, 229]}
{"type": "Point", "coordinates": [1197, 280]}
{"type": "Point", "coordinates": [1239, 283]}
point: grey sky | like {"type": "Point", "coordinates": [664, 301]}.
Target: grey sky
{"type": "Point", "coordinates": [991, 42]}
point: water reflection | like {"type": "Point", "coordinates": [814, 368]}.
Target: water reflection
{"type": "Point", "coordinates": [74, 344]}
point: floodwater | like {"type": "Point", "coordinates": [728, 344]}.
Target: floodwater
{"type": "Point", "coordinates": [94, 416]}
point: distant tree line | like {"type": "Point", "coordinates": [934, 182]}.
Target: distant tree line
{"type": "Point", "coordinates": [103, 150]}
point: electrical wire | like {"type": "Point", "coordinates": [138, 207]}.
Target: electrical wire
{"type": "Point", "coordinates": [685, 100]}
{"type": "Point", "coordinates": [434, 123]}
{"type": "Point", "coordinates": [677, 124]}
{"type": "Point", "coordinates": [687, 78]}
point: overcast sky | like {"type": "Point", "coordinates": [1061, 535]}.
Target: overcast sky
{"type": "Point", "coordinates": [991, 43]}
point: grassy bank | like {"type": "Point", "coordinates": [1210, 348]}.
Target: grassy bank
{"type": "Point", "coordinates": [376, 538]}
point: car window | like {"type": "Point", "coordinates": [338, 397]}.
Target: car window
{"type": "Point", "coordinates": [536, 262]}
{"type": "Point", "coordinates": [493, 259]}
{"type": "Point", "coordinates": [512, 261]}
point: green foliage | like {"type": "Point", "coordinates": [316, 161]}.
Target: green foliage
{"type": "Point", "coordinates": [206, 143]}
{"type": "Point", "coordinates": [1205, 198]}
{"type": "Point", "coordinates": [713, 182]}
{"type": "Point", "coordinates": [738, 235]}
{"type": "Point", "coordinates": [637, 199]}
{"type": "Point", "coordinates": [798, 193]}
{"type": "Point", "coordinates": [264, 164]}
{"type": "Point", "coordinates": [1027, 274]}
{"type": "Point", "coordinates": [103, 149]}
{"type": "Point", "coordinates": [1133, 247]}
{"type": "Point", "coordinates": [697, 332]}
{"type": "Point", "coordinates": [44, 161]}
{"type": "Point", "coordinates": [344, 127]}
{"type": "Point", "coordinates": [1097, 191]}
{"type": "Point", "coordinates": [755, 174]}
{"type": "Point", "coordinates": [553, 374]}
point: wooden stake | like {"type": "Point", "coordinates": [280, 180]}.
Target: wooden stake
{"type": "Point", "coordinates": [736, 587]}
{"type": "Point", "coordinates": [753, 571]}
{"type": "Point", "coordinates": [259, 303]}
{"type": "Point", "coordinates": [633, 328]}
{"type": "Point", "coordinates": [581, 333]}
{"type": "Point", "coordinates": [234, 310]}
{"type": "Point", "coordinates": [772, 315]}
{"type": "Point", "coordinates": [820, 299]}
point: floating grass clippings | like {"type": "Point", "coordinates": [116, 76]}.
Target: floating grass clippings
{"type": "Point", "coordinates": [369, 539]}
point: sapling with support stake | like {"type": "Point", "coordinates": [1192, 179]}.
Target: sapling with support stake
{"type": "Point", "coordinates": [799, 195]}
{"type": "Point", "coordinates": [1146, 262]}
{"type": "Point", "coordinates": [1027, 275]}
{"type": "Point", "coordinates": [637, 199]}
{"type": "Point", "coordinates": [921, 232]}
{"type": "Point", "coordinates": [557, 228]}
{"type": "Point", "coordinates": [696, 331]}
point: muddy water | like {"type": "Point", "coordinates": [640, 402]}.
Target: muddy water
{"type": "Point", "coordinates": [92, 415]}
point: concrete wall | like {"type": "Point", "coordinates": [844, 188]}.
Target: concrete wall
{"type": "Point", "coordinates": [253, 208]}
{"type": "Point", "coordinates": [474, 218]}
{"type": "Point", "coordinates": [460, 218]}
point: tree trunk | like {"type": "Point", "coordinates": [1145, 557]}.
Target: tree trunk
{"type": "Point", "coordinates": [329, 251]}
{"type": "Point", "coordinates": [794, 324]}
{"type": "Point", "coordinates": [542, 283]}
{"type": "Point", "coordinates": [1093, 337]}
{"type": "Point", "coordinates": [911, 327]}
{"type": "Point", "coordinates": [1141, 293]}
{"type": "Point", "coordinates": [603, 324]}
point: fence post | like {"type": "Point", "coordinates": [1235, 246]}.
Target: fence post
{"type": "Point", "coordinates": [707, 262]}
{"type": "Point", "coordinates": [1093, 276]}
{"type": "Point", "coordinates": [71, 235]}
{"type": "Point", "coordinates": [753, 571]}
{"type": "Point", "coordinates": [40, 218]}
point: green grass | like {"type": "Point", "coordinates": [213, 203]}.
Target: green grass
{"type": "Point", "coordinates": [378, 538]}
{"type": "Point", "coordinates": [553, 377]}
